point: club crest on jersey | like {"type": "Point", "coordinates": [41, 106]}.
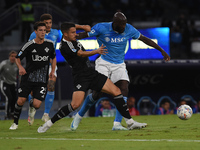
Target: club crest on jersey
{"type": "Point", "coordinates": [107, 39]}
{"type": "Point", "coordinates": [46, 49]}
{"type": "Point", "coordinates": [78, 86]}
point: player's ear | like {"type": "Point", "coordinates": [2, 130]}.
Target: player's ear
{"type": "Point", "coordinates": [65, 34]}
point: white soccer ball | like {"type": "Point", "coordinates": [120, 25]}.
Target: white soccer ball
{"type": "Point", "coordinates": [184, 112]}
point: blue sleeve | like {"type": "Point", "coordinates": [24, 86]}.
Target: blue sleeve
{"type": "Point", "coordinates": [95, 31]}
{"type": "Point", "coordinates": [32, 36]}
{"type": "Point", "coordinates": [135, 34]}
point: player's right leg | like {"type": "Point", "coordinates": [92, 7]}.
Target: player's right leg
{"type": "Point", "coordinates": [119, 102]}
{"type": "Point", "coordinates": [17, 112]}
{"type": "Point", "coordinates": [77, 99]}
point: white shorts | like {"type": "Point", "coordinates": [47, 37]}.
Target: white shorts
{"type": "Point", "coordinates": [55, 73]}
{"type": "Point", "coordinates": [114, 72]}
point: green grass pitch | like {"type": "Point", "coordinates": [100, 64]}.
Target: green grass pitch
{"type": "Point", "coordinates": [164, 132]}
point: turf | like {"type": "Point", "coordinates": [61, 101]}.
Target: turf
{"type": "Point", "coordinates": [164, 132]}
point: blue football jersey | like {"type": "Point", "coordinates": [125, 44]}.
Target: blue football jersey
{"type": "Point", "coordinates": [53, 35]}
{"type": "Point", "coordinates": [115, 43]}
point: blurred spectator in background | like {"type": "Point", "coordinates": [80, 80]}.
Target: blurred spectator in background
{"type": "Point", "coordinates": [181, 102]}
{"type": "Point", "coordinates": [164, 109]}
{"type": "Point", "coordinates": [105, 109]}
{"type": "Point", "coordinates": [8, 76]}
{"type": "Point", "coordinates": [27, 17]}
{"type": "Point", "coordinates": [196, 109]}
{"type": "Point", "coordinates": [131, 106]}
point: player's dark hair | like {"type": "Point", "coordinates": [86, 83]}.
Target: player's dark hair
{"type": "Point", "coordinates": [45, 17]}
{"type": "Point", "coordinates": [66, 26]}
{"type": "Point", "coordinates": [38, 24]}
{"type": "Point", "coordinates": [12, 52]}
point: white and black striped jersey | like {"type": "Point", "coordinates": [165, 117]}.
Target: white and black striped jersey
{"type": "Point", "coordinates": [69, 51]}
{"type": "Point", "coordinates": [37, 60]}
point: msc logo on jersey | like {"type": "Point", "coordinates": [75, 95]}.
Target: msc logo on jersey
{"type": "Point", "coordinates": [46, 49]}
{"type": "Point", "coordinates": [114, 40]}
{"type": "Point", "coordinates": [117, 40]}
{"type": "Point", "coordinates": [40, 58]}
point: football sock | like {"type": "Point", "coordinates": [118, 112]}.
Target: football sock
{"type": "Point", "coordinates": [17, 113]}
{"type": "Point", "coordinates": [122, 106]}
{"type": "Point", "coordinates": [118, 117]}
{"type": "Point", "coordinates": [89, 101]}
{"type": "Point", "coordinates": [49, 101]}
{"type": "Point", "coordinates": [30, 97]}
{"type": "Point", "coordinates": [31, 103]}
{"type": "Point", "coordinates": [64, 111]}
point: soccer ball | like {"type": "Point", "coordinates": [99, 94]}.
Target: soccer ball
{"type": "Point", "coordinates": [184, 112]}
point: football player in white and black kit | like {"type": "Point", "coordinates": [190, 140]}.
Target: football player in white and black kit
{"type": "Point", "coordinates": [85, 77]}
{"type": "Point", "coordinates": [38, 53]}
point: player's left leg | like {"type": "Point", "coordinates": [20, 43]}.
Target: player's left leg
{"type": "Point", "coordinates": [39, 93]}
{"type": "Point", "coordinates": [49, 98]}
{"type": "Point", "coordinates": [123, 86]}
{"type": "Point", "coordinates": [50, 95]}
{"type": "Point", "coordinates": [88, 102]}
{"type": "Point", "coordinates": [34, 105]}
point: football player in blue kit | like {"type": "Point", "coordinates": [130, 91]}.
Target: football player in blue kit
{"type": "Point", "coordinates": [114, 35]}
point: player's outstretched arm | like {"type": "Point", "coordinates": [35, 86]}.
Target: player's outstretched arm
{"type": "Point", "coordinates": [82, 35]}
{"type": "Point", "coordinates": [101, 50]}
{"type": "Point", "coordinates": [86, 28]}
{"type": "Point", "coordinates": [149, 42]}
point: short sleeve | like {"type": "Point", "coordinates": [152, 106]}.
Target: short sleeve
{"type": "Point", "coordinates": [135, 34]}
{"type": "Point", "coordinates": [95, 31]}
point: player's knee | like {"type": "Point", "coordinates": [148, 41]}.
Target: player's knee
{"type": "Point", "coordinates": [36, 105]}
{"type": "Point", "coordinates": [51, 85]}
{"type": "Point", "coordinates": [21, 101]}
{"type": "Point", "coordinates": [96, 95]}
{"type": "Point", "coordinates": [75, 106]}
{"type": "Point", "coordinates": [117, 92]}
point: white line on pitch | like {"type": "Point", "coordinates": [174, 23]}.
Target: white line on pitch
{"type": "Point", "coordinates": [131, 140]}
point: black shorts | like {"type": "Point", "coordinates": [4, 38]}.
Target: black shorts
{"type": "Point", "coordinates": [39, 90]}
{"type": "Point", "coordinates": [90, 79]}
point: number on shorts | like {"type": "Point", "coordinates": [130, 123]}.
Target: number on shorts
{"type": "Point", "coordinates": [43, 90]}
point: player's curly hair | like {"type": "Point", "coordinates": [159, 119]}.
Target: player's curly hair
{"type": "Point", "coordinates": [45, 17]}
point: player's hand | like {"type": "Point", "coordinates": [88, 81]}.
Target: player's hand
{"type": "Point", "coordinates": [166, 56]}
{"type": "Point", "coordinates": [101, 50]}
{"type": "Point", "coordinates": [51, 75]}
{"type": "Point", "coordinates": [22, 71]}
